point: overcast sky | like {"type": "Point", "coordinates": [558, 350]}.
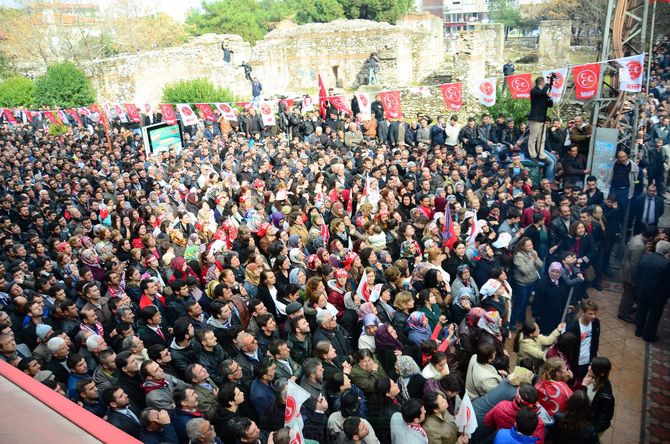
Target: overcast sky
{"type": "Point", "coordinates": [175, 8]}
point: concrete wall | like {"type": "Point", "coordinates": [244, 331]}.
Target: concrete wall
{"type": "Point", "coordinates": [554, 43]}
{"type": "Point", "coordinates": [141, 77]}
{"type": "Point", "coordinates": [287, 61]}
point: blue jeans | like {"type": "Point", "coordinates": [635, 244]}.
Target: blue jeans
{"type": "Point", "coordinates": [549, 166]}
{"type": "Point", "coordinates": [621, 198]}
{"type": "Point", "coordinates": [256, 102]}
{"type": "Point", "coordinates": [520, 298]}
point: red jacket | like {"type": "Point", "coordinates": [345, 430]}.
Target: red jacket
{"type": "Point", "coordinates": [503, 416]}
{"type": "Point", "coordinates": [527, 216]}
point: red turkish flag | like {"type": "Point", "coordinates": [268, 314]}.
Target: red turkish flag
{"type": "Point", "coordinates": [520, 85]}
{"type": "Point", "coordinates": [52, 117]}
{"type": "Point", "coordinates": [206, 111]}
{"type": "Point", "coordinates": [452, 93]}
{"type": "Point", "coordinates": [392, 104]}
{"type": "Point", "coordinates": [168, 114]}
{"type": "Point", "coordinates": [322, 98]}
{"type": "Point", "coordinates": [340, 104]}
{"type": "Point", "coordinates": [75, 115]}
{"type": "Point", "coordinates": [101, 112]}
{"type": "Point", "coordinates": [133, 114]}
{"type": "Point", "coordinates": [586, 80]}
{"type": "Point", "coordinates": [9, 116]}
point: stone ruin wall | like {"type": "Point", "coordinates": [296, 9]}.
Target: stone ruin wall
{"type": "Point", "coordinates": [288, 60]}
{"type": "Point", "coordinates": [412, 52]}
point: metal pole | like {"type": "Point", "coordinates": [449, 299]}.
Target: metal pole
{"type": "Point", "coordinates": [651, 46]}
{"type": "Point", "coordinates": [604, 55]}
{"type": "Point", "coordinates": [636, 108]}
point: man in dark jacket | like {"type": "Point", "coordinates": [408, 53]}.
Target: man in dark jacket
{"type": "Point", "coordinates": [652, 288]}
{"type": "Point", "coordinates": [574, 167]}
{"type": "Point", "coordinates": [183, 352]}
{"type": "Point", "coordinates": [210, 353]}
{"type": "Point", "coordinates": [130, 379]}
{"type": "Point", "coordinates": [555, 137]}
{"type": "Point", "coordinates": [468, 136]}
{"type": "Point", "coordinates": [539, 103]}
{"type": "Point", "coordinates": [646, 210]}
{"type": "Point", "coordinates": [122, 414]}
{"type": "Point", "coordinates": [328, 330]}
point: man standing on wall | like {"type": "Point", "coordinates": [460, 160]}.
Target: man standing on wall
{"type": "Point", "coordinates": [539, 104]}
{"type": "Point", "coordinates": [508, 70]}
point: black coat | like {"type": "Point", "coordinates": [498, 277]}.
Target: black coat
{"type": "Point", "coordinates": [637, 208]}
{"type": "Point", "coordinates": [549, 303]}
{"type": "Point", "coordinates": [338, 338]}
{"type": "Point", "coordinates": [132, 387]}
{"type": "Point", "coordinates": [651, 278]}
{"type": "Point", "coordinates": [602, 408]}
{"type": "Point", "coordinates": [121, 421]}
{"type": "Point", "coordinates": [540, 102]}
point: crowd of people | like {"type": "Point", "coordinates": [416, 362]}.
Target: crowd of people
{"type": "Point", "coordinates": [387, 268]}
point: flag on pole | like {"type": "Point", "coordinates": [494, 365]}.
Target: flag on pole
{"type": "Point", "coordinates": [295, 397]}
{"type": "Point", "coordinates": [376, 292]}
{"type": "Point", "coordinates": [486, 92]}
{"type": "Point", "coordinates": [630, 77]}
{"type": "Point", "coordinates": [364, 105]}
{"type": "Point", "coordinates": [520, 85]}
{"type": "Point", "coordinates": [452, 94]}
{"type": "Point", "coordinates": [559, 82]}
{"type": "Point", "coordinates": [465, 418]}
{"type": "Point", "coordinates": [363, 291]}
{"type": "Point", "coordinates": [446, 228]}
{"type": "Point", "coordinates": [322, 98]}
{"type": "Point", "coordinates": [132, 112]}
{"type": "Point", "coordinates": [206, 111]}
{"type": "Point", "coordinates": [188, 117]}
{"type": "Point", "coordinates": [168, 113]}
{"type": "Point", "coordinates": [9, 116]}
{"type": "Point", "coordinates": [586, 79]}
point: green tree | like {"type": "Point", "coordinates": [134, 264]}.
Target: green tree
{"type": "Point", "coordinates": [502, 12]}
{"type": "Point", "coordinates": [64, 85]}
{"type": "Point", "coordinates": [241, 17]}
{"type": "Point", "coordinates": [515, 109]}
{"type": "Point", "coordinates": [319, 11]}
{"type": "Point", "coordinates": [378, 10]}
{"type": "Point", "coordinates": [196, 91]}
{"type": "Point", "coordinates": [17, 91]}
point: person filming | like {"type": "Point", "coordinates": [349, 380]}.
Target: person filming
{"type": "Point", "coordinates": [539, 103]}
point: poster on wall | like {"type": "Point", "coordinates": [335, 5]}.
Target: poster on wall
{"type": "Point", "coordinates": [603, 156]}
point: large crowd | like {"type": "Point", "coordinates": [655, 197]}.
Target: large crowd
{"type": "Point", "coordinates": [387, 267]}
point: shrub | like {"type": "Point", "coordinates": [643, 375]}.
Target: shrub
{"type": "Point", "coordinates": [57, 130]}
{"type": "Point", "coordinates": [510, 108]}
{"type": "Point", "coordinates": [64, 85]}
{"type": "Point", "coordinates": [196, 91]}
{"type": "Point", "coordinates": [17, 91]}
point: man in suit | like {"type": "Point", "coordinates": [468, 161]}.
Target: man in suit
{"type": "Point", "coordinates": [121, 414]}
{"type": "Point", "coordinates": [204, 387]}
{"type": "Point", "coordinates": [652, 289]}
{"type": "Point", "coordinates": [152, 332]}
{"type": "Point", "coordinates": [634, 251]}
{"type": "Point", "coordinates": [646, 210]}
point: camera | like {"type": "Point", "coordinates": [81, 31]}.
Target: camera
{"type": "Point", "coordinates": [552, 76]}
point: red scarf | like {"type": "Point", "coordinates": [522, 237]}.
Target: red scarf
{"type": "Point", "coordinates": [150, 386]}
{"type": "Point", "coordinates": [418, 429]}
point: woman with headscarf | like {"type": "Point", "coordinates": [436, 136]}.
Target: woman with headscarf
{"type": "Point", "coordinates": [387, 346]}
{"type": "Point", "coordinates": [298, 276]}
{"type": "Point", "coordinates": [434, 281]}
{"type": "Point", "coordinates": [551, 295]}
{"type": "Point", "coordinates": [490, 331]}
{"type": "Point", "coordinates": [487, 262]}
{"type": "Point", "coordinates": [252, 278]}
{"type": "Point", "coordinates": [428, 305]}
{"type": "Point", "coordinates": [349, 319]}
{"type": "Point", "coordinates": [181, 270]}
{"type": "Point", "coordinates": [369, 324]}
{"type": "Point", "coordinates": [410, 380]}
{"type": "Point", "coordinates": [462, 305]}
{"type": "Point", "coordinates": [492, 297]}
{"type": "Point", "coordinates": [92, 261]}
{"type": "Point", "coordinates": [418, 328]}
{"type": "Point", "coordinates": [384, 309]}
{"type": "Point", "coordinates": [337, 288]}
{"type": "Point", "coordinates": [464, 280]}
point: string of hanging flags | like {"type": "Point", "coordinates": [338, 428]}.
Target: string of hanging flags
{"type": "Point", "coordinates": [585, 78]}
